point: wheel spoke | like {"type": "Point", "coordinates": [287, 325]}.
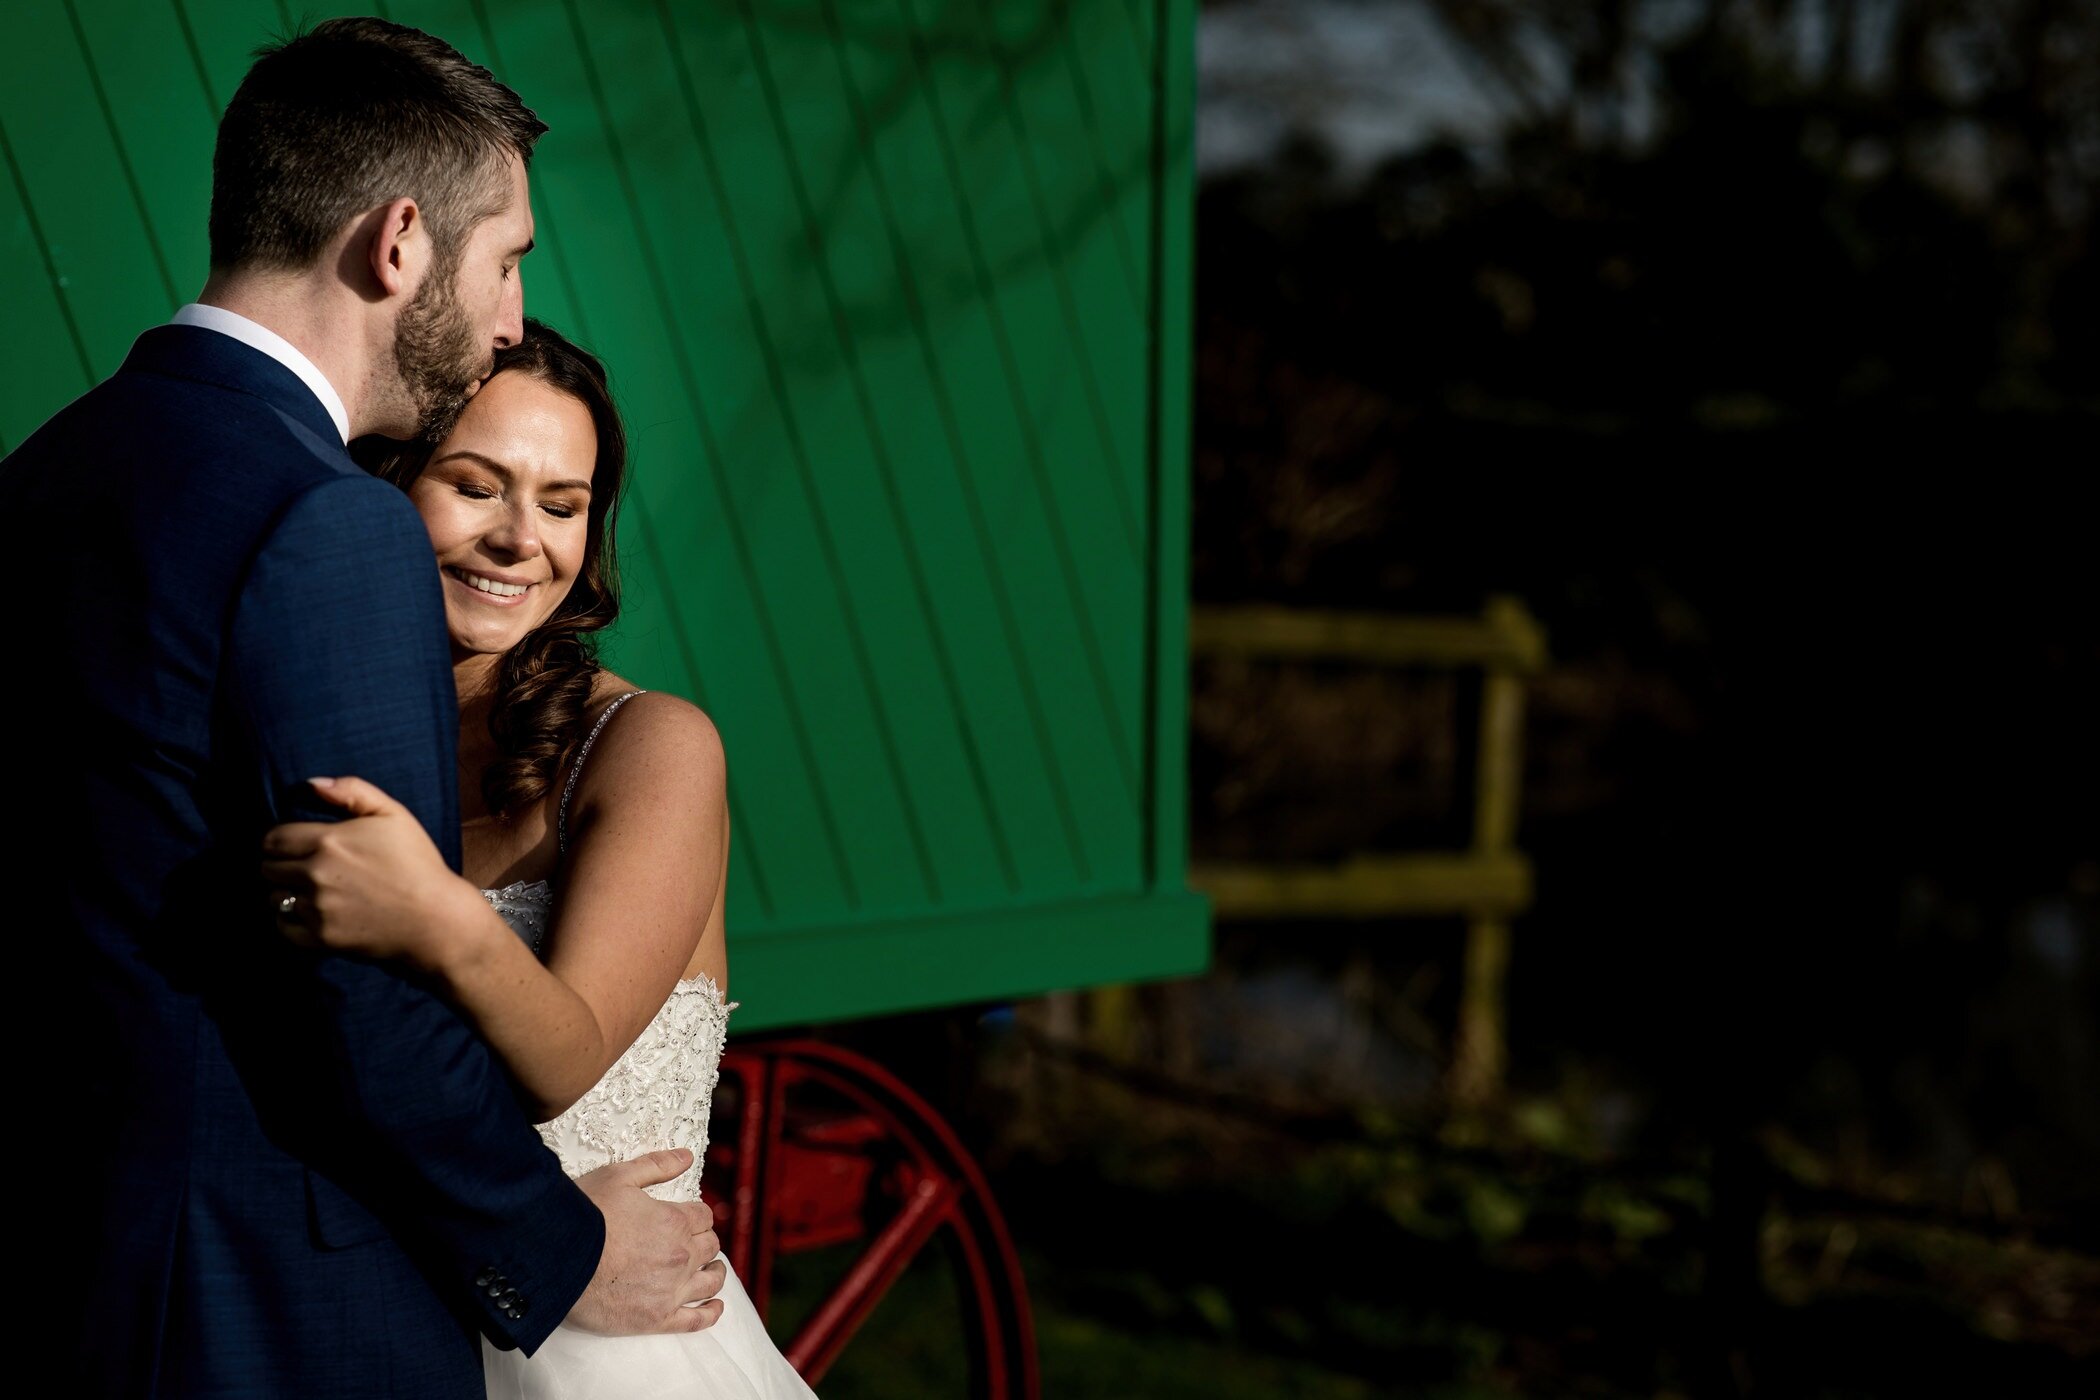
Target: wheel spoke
{"type": "Point", "coordinates": [943, 1186]}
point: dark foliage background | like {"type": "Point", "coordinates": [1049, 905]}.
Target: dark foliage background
{"type": "Point", "coordinates": [1780, 419]}
{"type": "Point", "coordinates": [1755, 345]}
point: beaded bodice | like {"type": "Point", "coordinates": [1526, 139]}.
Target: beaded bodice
{"type": "Point", "coordinates": [656, 1095]}
{"type": "Point", "coordinates": [659, 1092]}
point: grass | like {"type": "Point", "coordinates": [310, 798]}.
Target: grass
{"type": "Point", "coordinates": [911, 1347]}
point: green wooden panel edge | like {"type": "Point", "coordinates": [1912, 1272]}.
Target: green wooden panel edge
{"type": "Point", "coordinates": [876, 969]}
{"type": "Point", "coordinates": [1173, 330]}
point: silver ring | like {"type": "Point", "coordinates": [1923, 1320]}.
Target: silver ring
{"type": "Point", "coordinates": [286, 905]}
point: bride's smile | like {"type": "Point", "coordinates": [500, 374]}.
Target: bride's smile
{"type": "Point", "coordinates": [500, 591]}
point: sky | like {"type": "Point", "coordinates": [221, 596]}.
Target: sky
{"type": "Point", "coordinates": [1371, 78]}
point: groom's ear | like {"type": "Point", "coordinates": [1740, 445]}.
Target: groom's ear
{"type": "Point", "coordinates": [399, 248]}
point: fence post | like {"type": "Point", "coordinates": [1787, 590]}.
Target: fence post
{"type": "Point", "coordinates": [1478, 1058]}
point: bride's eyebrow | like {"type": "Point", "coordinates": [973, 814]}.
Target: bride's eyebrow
{"type": "Point", "coordinates": [573, 484]}
{"type": "Point", "coordinates": [479, 458]}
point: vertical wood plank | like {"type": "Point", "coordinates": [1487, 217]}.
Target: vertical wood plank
{"type": "Point", "coordinates": [875, 280]}
{"type": "Point", "coordinates": [43, 365]}
{"type": "Point", "coordinates": [967, 394]}
{"type": "Point", "coordinates": [1030, 418]}
{"type": "Point", "coordinates": [141, 54]}
{"type": "Point", "coordinates": [75, 182]}
{"type": "Point", "coordinates": [800, 421]}
{"type": "Point", "coordinates": [788, 148]}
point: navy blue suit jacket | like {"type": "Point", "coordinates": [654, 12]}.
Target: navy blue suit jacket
{"type": "Point", "coordinates": [300, 1175]}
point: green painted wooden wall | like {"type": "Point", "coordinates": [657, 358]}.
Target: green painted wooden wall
{"type": "Point", "coordinates": [895, 295]}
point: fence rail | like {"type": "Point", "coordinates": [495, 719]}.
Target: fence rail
{"type": "Point", "coordinates": [1489, 883]}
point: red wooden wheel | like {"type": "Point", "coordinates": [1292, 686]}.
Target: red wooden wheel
{"type": "Point", "coordinates": [831, 1148]}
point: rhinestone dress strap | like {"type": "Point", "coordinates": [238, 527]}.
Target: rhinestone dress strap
{"type": "Point", "coordinates": [561, 815]}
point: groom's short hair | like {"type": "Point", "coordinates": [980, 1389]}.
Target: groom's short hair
{"type": "Point", "coordinates": [351, 114]}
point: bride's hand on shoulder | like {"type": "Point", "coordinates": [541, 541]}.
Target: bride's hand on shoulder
{"type": "Point", "coordinates": [372, 884]}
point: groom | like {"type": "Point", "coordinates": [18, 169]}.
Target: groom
{"type": "Point", "coordinates": [283, 1174]}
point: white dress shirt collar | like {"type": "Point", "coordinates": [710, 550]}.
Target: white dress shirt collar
{"type": "Point", "coordinates": [218, 318]}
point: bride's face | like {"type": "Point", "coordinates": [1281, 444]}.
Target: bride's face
{"type": "Point", "coordinates": [506, 499]}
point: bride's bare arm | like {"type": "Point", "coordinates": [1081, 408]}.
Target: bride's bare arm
{"type": "Point", "coordinates": [642, 889]}
{"type": "Point", "coordinates": [640, 901]}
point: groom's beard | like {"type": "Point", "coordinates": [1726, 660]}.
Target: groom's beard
{"type": "Point", "coordinates": [436, 355]}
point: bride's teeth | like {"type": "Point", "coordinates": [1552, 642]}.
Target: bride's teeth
{"type": "Point", "coordinates": [489, 585]}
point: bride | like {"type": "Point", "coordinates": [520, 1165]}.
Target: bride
{"type": "Point", "coordinates": [585, 940]}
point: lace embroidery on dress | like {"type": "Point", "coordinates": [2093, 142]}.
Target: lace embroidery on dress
{"type": "Point", "coordinates": [525, 907]}
{"type": "Point", "coordinates": [659, 1093]}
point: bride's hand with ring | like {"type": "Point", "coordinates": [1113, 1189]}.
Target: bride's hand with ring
{"type": "Point", "coordinates": [373, 884]}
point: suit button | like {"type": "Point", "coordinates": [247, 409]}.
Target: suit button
{"type": "Point", "coordinates": [484, 1278]}
{"type": "Point", "coordinates": [518, 1303]}
{"type": "Point", "coordinates": [496, 1286]}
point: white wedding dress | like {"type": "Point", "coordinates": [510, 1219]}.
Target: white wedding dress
{"type": "Point", "coordinates": [655, 1096]}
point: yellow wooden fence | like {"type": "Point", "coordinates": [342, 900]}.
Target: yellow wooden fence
{"type": "Point", "coordinates": [1489, 883]}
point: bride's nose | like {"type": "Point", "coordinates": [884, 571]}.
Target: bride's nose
{"type": "Point", "coordinates": [516, 534]}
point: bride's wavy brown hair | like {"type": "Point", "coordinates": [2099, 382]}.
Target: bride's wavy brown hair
{"type": "Point", "coordinates": [543, 685]}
